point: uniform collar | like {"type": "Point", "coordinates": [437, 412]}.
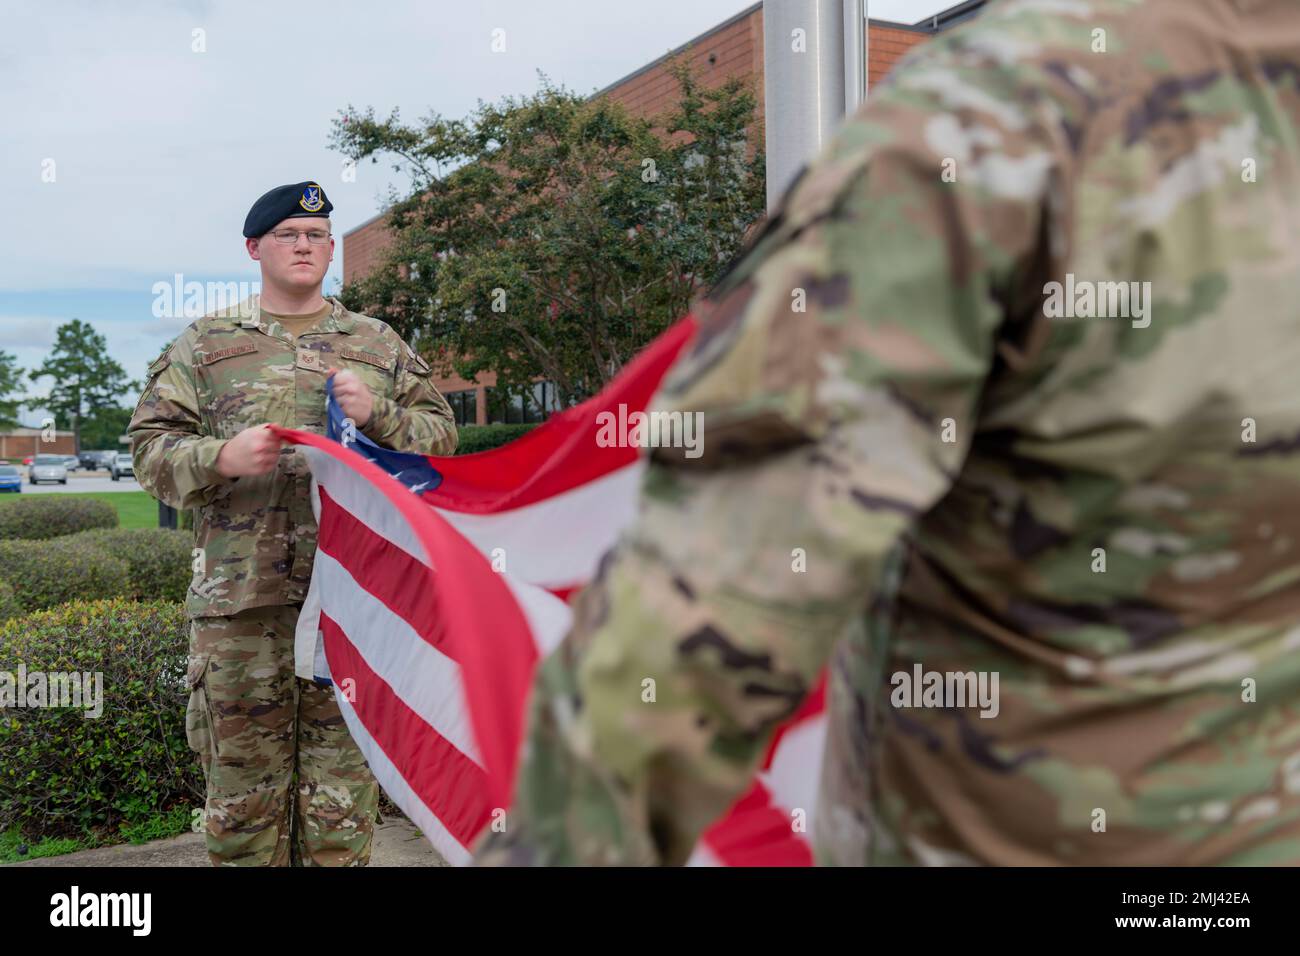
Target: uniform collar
{"type": "Point", "coordinates": [249, 315]}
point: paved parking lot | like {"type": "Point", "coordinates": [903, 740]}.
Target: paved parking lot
{"type": "Point", "coordinates": [80, 481]}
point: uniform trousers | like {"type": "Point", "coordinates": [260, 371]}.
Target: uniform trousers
{"type": "Point", "coordinates": [286, 784]}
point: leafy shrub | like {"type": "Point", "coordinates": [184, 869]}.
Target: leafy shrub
{"type": "Point", "coordinates": [41, 517]}
{"type": "Point", "coordinates": [9, 605]}
{"type": "Point", "coordinates": [63, 773]}
{"type": "Point", "coordinates": [45, 573]}
{"type": "Point", "coordinates": [159, 560]}
{"type": "Point", "coordinates": [482, 437]}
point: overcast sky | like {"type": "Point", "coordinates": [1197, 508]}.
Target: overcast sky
{"type": "Point", "coordinates": [156, 151]}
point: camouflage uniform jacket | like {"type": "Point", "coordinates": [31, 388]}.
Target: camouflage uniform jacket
{"type": "Point", "coordinates": [1102, 510]}
{"type": "Point", "coordinates": [234, 369]}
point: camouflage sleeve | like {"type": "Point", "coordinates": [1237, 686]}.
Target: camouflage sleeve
{"type": "Point", "coordinates": [173, 461]}
{"type": "Point", "coordinates": [837, 370]}
{"type": "Point", "coordinates": [419, 420]}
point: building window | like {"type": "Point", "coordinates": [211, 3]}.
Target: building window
{"type": "Point", "coordinates": [518, 408]}
{"type": "Point", "coordinates": [545, 400]}
{"type": "Point", "coordinates": [464, 405]}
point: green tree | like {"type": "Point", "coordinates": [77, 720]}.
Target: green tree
{"type": "Point", "coordinates": [86, 380]}
{"type": "Point", "coordinates": [102, 428]}
{"type": "Point", "coordinates": [10, 386]}
{"type": "Point", "coordinates": [552, 236]}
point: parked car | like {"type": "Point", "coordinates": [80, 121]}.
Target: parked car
{"type": "Point", "coordinates": [48, 468]}
{"type": "Point", "coordinates": [71, 462]}
{"type": "Point", "coordinates": [122, 466]}
{"type": "Point", "coordinates": [106, 459]}
{"type": "Point", "coordinates": [89, 460]}
{"type": "Point", "coordinates": [28, 460]}
{"type": "Point", "coordinates": [11, 478]}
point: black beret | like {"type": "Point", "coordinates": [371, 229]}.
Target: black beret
{"type": "Point", "coordinates": [285, 202]}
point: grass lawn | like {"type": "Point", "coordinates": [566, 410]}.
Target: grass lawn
{"type": "Point", "coordinates": [158, 825]}
{"type": "Point", "coordinates": [135, 509]}
{"type": "Point", "coordinates": [11, 842]}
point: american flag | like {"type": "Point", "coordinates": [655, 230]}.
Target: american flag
{"type": "Point", "coordinates": [440, 583]}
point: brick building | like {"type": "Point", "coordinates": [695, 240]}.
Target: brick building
{"type": "Point", "coordinates": [732, 48]}
{"type": "Point", "coordinates": [19, 443]}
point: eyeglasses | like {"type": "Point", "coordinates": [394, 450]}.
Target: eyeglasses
{"type": "Point", "coordinates": [316, 237]}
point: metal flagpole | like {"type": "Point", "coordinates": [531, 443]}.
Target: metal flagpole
{"type": "Point", "coordinates": [814, 70]}
{"type": "Point", "coordinates": [803, 83]}
{"type": "Point", "coordinates": [855, 55]}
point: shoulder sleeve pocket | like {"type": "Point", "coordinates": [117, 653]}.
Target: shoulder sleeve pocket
{"type": "Point", "coordinates": [160, 363]}
{"type": "Point", "coordinates": [416, 364]}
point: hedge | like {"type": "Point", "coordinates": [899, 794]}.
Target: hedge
{"type": "Point", "coordinates": [159, 560]}
{"type": "Point", "coordinates": [41, 517]}
{"type": "Point", "coordinates": [475, 438]}
{"type": "Point", "coordinates": [63, 773]}
{"type": "Point", "coordinates": [9, 604]}
{"type": "Point", "coordinates": [43, 574]}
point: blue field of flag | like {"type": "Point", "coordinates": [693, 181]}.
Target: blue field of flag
{"type": "Point", "coordinates": [412, 470]}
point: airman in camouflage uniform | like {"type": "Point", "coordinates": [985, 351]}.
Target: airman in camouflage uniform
{"type": "Point", "coordinates": [252, 721]}
{"type": "Point", "coordinates": [1094, 504]}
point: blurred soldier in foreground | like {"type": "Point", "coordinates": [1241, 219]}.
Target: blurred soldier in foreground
{"type": "Point", "coordinates": [1012, 373]}
{"type": "Point", "coordinates": [199, 439]}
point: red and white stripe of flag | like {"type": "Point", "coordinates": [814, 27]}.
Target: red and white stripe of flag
{"type": "Point", "coordinates": [433, 650]}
